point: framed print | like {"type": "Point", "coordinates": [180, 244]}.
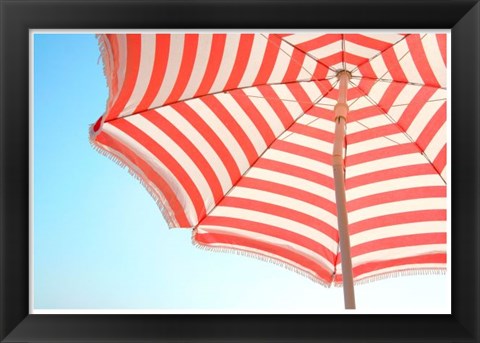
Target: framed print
{"type": "Point", "coordinates": [223, 111]}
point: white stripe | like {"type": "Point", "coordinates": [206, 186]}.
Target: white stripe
{"type": "Point", "coordinates": [201, 62]}
{"type": "Point", "coordinates": [232, 42]}
{"type": "Point", "coordinates": [292, 181]}
{"type": "Point", "coordinates": [178, 154]}
{"type": "Point", "coordinates": [422, 118]}
{"type": "Point", "coordinates": [403, 206]}
{"type": "Point", "coordinates": [410, 69]}
{"type": "Point", "coordinates": [282, 62]}
{"type": "Point", "coordinates": [255, 59]}
{"type": "Point", "coordinates": [312, 90]}
{"type": "Point", "coordinates": [309, 142]}
{"type": "Point", "coordinates": [326, 50]}
{"type": "Point", "coordinates": [297, 39]}
{"type": "Point", "coordinates": [360, 50]}
{"type": "Point", "coordinates": [158, 166]}
{"type": "Point", "coordinates": [437, 143]}
{"type": "Point", "coordinates": [434, 57]}
{"type": "Point", "coordinates": [388, 38]}
{"type": "Point", "coordinates": [204, 147]}
{"type": "Point", "coordinates": [283, 223]}
{"type": "Point", "coordinates": [223, 133]}
{"type": "Point", "coordinates": [395, 253]}
{"type": "Point", "coordinates": [300, 161]}
{"type": "Point", "coordinates": [385, 163]}
{"type": "Point", "coordinates": [268, 239]}
{"type": "Point", "coordinates": [266, 110]}
{"type": "Point", "coordinates": [376, 143]}
{"type": "Point", "coordinates": [397, 231]}
{"type": "Point", "coordinates": [147, 58]}
{"type": "Point", "coordinates": [286, 202]}
{"type": "Point", "coordinates": [393, 185]}
{"type": "Point", "coordinates": [173, 67]}
{"type": "Point", "coordinates": [243, 120]}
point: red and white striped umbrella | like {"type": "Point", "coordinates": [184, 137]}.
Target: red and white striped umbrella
{"type": "Point", "coordinates": [233, 136]}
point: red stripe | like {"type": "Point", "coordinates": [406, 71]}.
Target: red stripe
{"type": "Point", "coordinates": [432, 127]}
{"type": "Point", "coordinates": [371, 133]}
{"type": "Point", "coordinates": [215, 58]}
{"type": "Point", "coordinates": [170, 196]}
{"type": "Point", "coordinates": [271, 231]}
{"type": "Point", "coordinates": [420, 59]}
{"type": "Point", "coordinates": [300, 95]}
{"type": "Point", "coordinates": [134, 42]}
{"type": "Point", "coordinates": [393, 65]}
{"type": "Point", "coordinates": [415, 105]}
{"type": "Point", "coordinates": [190, 149]}
{"type": "Point", "coordinates": [367, 42]}
{"type": "Point", "coordinates": [306, 263]}
{"type": "Point", "coordinates": [162, 50]}
{"type": "Point", "coordinates": [331, 60]}
{"type": "Point", "coordinates": [255, 116]}
{"type": "Point", "coordinates": [397, 195]}
{"type": "Point", "coordinates": [389, 174]}
{"type": "Point", "coordinates": [364, 112]}
{"type": "Point", "coordinates": [441, 159]}
{"type": "Point", "coordinates": [399, 242]}
{"type": "Point", "coordinates": [114, 81]}
{"type": "Point", "coordinates": [168, 160]}
{"type": "Point", "coordinates": [442, 45]}
{"type": "Point", "coordinates": [295, 66]}
{"type": "Point", "coordinates": [313, 132]}
{"type": "Point", "coordinates": [296, 171]}
{"type": "Point", "coordinates": [282, 212]}
{"type": "Point", "coordinates": [319, 42]}
{"type": "Point", "coordinates": [377, 154]}
{"type": "Point", "coordinates": [210, 136]}
{"type": "Point", "coordinates": [277, 105]}
{"type": "Point", "coordinates": [232, 125]}
{"type": "Point", "coordinates": [290, 191]}
{"type": "Point", "coordinates": [397, 219]}
{"type": "Point", "coordinates": [190, 46]}
{"type": "Point", "coordinates": [303, 151]}
{"type": "Point", "coordinates": [269, 59]}
{"type": "Point", "coordinates": [418, 261]}
{"type": "Point", "coordinates": [390, 96]}
{"type": "Point", "coordinates": [354, 59]}
{"type": "Point", "coordinates": [321, 112]}
{"type": "Point", "coordinates": [241, 61]}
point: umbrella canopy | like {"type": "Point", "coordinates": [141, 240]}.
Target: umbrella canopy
{"type": "Point", "coordinates": [233, 134]}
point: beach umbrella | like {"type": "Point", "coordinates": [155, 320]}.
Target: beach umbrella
{"type": "Point", "coordinates": [324, 153]}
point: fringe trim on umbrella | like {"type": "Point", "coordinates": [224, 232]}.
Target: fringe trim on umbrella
{"type": "Point", "coordinates": [258, 256]}
{"type": "Point", "coordinates": [137, 174]}
{"type": "Point", "coordinates": [398, 273]}
{"type": "Point", "coordinates": [105, 52]}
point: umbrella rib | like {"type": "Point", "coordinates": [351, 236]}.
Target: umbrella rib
{"type": "Point", "coordinates": [380, 53]}
{"type": "Point", "coordinates": [215, 93]}
{"type": "Point", "coordinates": [343, 52]}
{"type": "Point", "coordinates": [315, 102]}
{"type": "Point", "coordinates": [393, 121]}
{"type": "Point", "coordinates": [297, 62]}
{"type": "Point", "coordinates": [396, 81]}
{"type": "Point", "coordinates": [308, 54]}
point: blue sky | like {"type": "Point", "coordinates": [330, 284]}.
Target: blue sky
{"type": "Point", "coordinates": [100, 241]}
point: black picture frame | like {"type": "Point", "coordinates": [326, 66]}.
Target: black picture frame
{"type": "Point", "coordinates": [18, 16]}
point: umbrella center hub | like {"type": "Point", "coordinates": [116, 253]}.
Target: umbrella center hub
{"type": "Point", "coordinates": [344, 72]}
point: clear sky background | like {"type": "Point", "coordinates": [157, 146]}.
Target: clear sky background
{"type": "Point", "coordinates": [100, 242]}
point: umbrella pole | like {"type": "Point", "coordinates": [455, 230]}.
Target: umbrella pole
{"type": "Point", "coordinates": [341, 110]}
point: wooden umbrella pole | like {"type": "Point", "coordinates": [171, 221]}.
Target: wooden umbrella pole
{"type": "Point", "coordinates": [341, 111]}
